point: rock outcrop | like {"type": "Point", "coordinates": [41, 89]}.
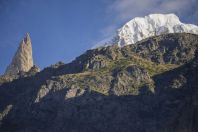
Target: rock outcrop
{"type": "Point", "coordinates": [22, 60]}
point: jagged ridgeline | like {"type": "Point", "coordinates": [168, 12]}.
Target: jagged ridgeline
{"type": "Point", "coordinates": [150, 86]}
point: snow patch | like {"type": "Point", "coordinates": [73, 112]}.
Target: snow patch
{"type": "Point", "coordinates": [140, 28]}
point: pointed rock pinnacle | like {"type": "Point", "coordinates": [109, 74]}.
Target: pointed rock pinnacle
{"type": "Point", "coordinates": [22, 60]}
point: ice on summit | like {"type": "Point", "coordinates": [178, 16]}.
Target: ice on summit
{"type": "Point", "coordinates": [140, 28]}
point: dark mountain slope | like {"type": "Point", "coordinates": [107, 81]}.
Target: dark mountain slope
{"type": "Point", "coordinates": [109, 89]}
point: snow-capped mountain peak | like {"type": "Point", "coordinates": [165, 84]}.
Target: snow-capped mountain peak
{"type": "Point", "coordinates": [140, 28]}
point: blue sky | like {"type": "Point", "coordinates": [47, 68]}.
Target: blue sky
{"type": "Point", "coordinates": [63, 29]}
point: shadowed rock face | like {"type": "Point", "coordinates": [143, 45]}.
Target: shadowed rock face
{"type": "Point", "coordinates": [122, 92]}
{"type": "Point", "coordinates": [22, 60]}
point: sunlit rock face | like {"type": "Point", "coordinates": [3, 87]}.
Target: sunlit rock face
{"type": "Point", "coordinates": [22, 60]}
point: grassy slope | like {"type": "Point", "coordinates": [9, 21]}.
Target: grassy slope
{"type": "Point", "coordinates": [99, 80]}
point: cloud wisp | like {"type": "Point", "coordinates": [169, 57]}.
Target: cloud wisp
{"type": "Point", "coordinates": [127, 9]}
{"type": "Point", "coordinates": [124, 10]}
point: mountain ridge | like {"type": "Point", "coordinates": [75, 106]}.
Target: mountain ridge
{"type": "Point", "coordinates": [110, 89]}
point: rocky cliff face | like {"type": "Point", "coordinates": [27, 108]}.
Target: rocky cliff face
{"type": "Point", "coordinates": [110, 89]}
{"type": "Point", "coordinates": [22, 60]}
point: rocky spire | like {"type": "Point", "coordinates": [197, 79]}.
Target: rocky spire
{"type": "Point", "coordinates": [22, 60]}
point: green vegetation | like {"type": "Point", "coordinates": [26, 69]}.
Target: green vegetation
{"type": "Point", "coordinates": [99, 80]}
{"type": "Point", "coordinates": [151, 67]}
